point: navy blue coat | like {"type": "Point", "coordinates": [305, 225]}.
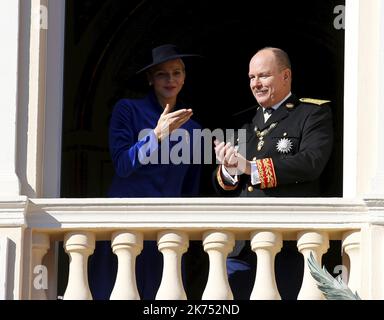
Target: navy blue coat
{"type": "Point", "coordinates": [136, 176]}
{"type": "Point", "coordinates": [155, 179]}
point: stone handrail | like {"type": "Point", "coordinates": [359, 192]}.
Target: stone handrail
{"type": "Point", "coordinates": [198, 214]}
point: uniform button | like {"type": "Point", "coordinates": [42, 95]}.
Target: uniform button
{"type": "Point", "coordinates": [254, 159]}
{"type": "Point", "coordinates": [250, 189]}
{"type": "Point", "coordinates": [289, 105]}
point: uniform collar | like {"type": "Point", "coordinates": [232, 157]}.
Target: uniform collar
{"type": "Point", "coordinates": [277, 105]}
{"type": "Point", "coordinates": [278, 115]}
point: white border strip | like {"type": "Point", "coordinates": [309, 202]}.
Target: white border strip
{"type": "Point", "coordinates": [378, 180]}
{"type": "Point", "coordinates": [351, 77]}
{"type": "Point", "coordinates": [54, 99]}
{"type": "Point", "coordinates": [4, 248]}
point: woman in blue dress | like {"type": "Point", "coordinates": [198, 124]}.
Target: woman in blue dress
{"type": "Point", "coordinates": [146, 139]}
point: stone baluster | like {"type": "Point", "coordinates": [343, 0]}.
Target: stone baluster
{"type": "Point", "coordinates": [351, 246]}
{"type": "Point", "coordinates": [318, 244]}
{"type": "Point", "coordinates": [172, 244]}
{"type": "Point", "coordinates": [126, 245]}
{"type": "Point", "coordinates": [40, 246]}
{"type": "Point", "coordinates": [266, 245]}
{"type": "Point", "coordinates": [79, 246]}
{"type": "Point", "coordinates": [218, 245]}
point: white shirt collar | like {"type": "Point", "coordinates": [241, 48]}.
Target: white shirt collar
{"type": "Point", "coordinates": [277, 105]}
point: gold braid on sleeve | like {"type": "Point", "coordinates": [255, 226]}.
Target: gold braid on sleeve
{"type": "Point", "coordinates": [266, 173]}
{"type": "Point", "coordinates": [224, 186]}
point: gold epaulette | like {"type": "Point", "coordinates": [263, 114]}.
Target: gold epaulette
{"type": "Point", "coordinates": [314, 101]}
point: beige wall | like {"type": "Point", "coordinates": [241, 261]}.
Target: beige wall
{"type": "Point", "coordinates": [27, 61]}
{"type": "Point", "coordinates": [369, 139]}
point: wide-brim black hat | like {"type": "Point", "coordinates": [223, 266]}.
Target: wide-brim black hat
{"type": "Point", "coordinates": [165, 53]}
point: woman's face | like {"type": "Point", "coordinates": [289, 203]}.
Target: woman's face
{"type": "Point", "coordinates": [167, 78]}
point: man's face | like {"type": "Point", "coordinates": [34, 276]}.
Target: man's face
{"type": "Point", "coordinates": [268, 81]}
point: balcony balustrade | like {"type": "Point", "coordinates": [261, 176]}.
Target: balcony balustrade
{"type": "Point", "coordinates": [216, 222]}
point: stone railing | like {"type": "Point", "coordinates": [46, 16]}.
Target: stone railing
{"type": "Point", "coordinates": [217, 222]}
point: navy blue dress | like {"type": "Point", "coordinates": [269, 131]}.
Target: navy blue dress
{"type": "Point", "coordinates": [128, 152]}
{"type": "Point", "coordinates": [144, 168]}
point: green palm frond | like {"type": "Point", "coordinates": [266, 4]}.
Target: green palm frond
{"type": "Point", "coordinates": [332, 288]}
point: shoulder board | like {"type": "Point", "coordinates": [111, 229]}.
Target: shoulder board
{"type": "Point", "coordinates": [314, 101]}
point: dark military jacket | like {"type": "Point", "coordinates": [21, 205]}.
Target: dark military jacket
{"type": "Point", "coordinates": [290, 150]}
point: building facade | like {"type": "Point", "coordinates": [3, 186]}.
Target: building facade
{"type": "Point", "coordinates": [34, 217]}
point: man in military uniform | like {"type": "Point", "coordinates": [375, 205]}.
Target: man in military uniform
{"type": "Point", "coordinates": [288, 141]}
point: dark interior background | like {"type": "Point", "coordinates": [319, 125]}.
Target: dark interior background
{"type": "Point", "coordinates": [107, 41]}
